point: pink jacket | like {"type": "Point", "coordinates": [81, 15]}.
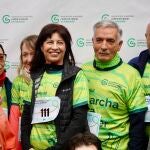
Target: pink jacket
{"type": "Point", "coordinates": [7, 138]}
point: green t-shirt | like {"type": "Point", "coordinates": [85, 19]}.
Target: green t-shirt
{"type": "Point", "coordinates": [146, 84]}
{"type": "Point", "coordinates": [3, 97]}
{"type": "Point", "coordinates": [21, 91]}
{"type": "Point", "coordinates": [43, 135]}
{"type": "Point", "coordinates": [114, 94]}
{"type": "Point", "coordinates": [145, 79]}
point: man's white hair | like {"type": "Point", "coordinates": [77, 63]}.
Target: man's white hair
{"type": "Point", "coordinates": [108, 24]}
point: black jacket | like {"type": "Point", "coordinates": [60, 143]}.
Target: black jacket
{"type": "Point", "coordinates": [68, 122]}
{"type": "Point", "coordinates": [8, 86]}
{"type": "Point", "coordinates": [137, 129]}
{"type": "Point", "coordinates": [139, 62]}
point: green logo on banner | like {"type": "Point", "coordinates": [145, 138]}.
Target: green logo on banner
{"type": "Point", "coordinates": [105, 17]}
{"type": "Point", "coordinates": [55, 18]}
{"type": "Point", "coordinates": [131, 42]}
{"type": "Point", "coordinates": [6, 18]}
{"type": "Point", "coordinates": [80, 42]}
{"type": "Point", "coordinates": [7, 65]}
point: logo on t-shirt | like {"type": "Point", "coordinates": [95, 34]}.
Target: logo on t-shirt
{"type": "Point", "coordinates": [104, 103]}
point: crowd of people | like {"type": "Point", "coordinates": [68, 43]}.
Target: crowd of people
{"type": "Point", "coordinates": [52, 104]}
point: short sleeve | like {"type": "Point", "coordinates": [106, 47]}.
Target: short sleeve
{"type": "Point", "coordinates": [80, 90]}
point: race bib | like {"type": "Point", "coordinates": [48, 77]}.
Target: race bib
{"type": "Point", "coordinates": [45, 109]}
{"type": "Point", "coordinates": [147, 115]}
{"type": "Point", "coordinates": [94, 122]}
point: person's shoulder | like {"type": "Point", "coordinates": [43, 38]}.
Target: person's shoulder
{"type": "Point", "coordinates": [128, 69]}
{"type": "Point", "coordinates": [80, 73]}
{"type": "Point", "coordinates": [133, 60]}
{"type": "Point", "coordinates": [73, 69]}
{"type": "Point", "coordinates": [7, 81]}
{"type": "Point", "coordinates": [87, 64]}
{"type": "Point", "coordinates": [7, 78]}
{"type": "Point", "coordinates": [18, 78]}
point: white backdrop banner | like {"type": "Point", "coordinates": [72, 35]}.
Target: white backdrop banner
{"type": "Point", "coordinates": [20, 18]}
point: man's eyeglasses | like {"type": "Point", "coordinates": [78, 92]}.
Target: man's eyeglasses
{"type": "Point", "coordinates": [3, 57]}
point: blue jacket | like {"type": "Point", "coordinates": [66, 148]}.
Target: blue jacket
{"type": "Point", "coordinates": [139, 62]}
